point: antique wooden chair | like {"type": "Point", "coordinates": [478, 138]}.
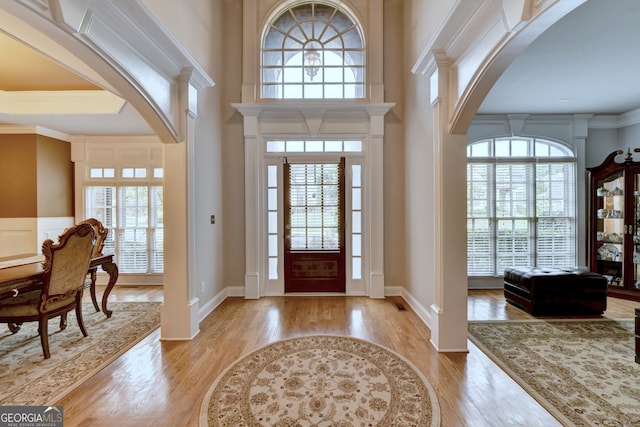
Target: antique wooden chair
{"type": "Point", "coordinates": [65, 269]}
{"type": "Point", "coordinates": [101, 236]}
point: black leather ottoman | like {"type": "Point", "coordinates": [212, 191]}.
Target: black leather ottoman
{"type": "Point", "coordinates": [555, 291]}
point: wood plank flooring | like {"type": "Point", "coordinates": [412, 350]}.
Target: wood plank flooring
{"type": "Point", "coordinates": [160, 383]}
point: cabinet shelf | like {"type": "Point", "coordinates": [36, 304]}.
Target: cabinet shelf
{"type": "Point", "coordinates": [614, 236]}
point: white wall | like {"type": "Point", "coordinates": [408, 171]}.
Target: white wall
{"type": "Point", "coordinates": [421, 20]}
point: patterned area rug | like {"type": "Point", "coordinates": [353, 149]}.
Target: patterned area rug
{"type": "Point", "coordinates": [582, 371]}
{"type": "Point", "coordinates": [29, 379]}
{"type": "Point", "coordinates": [321, 381]}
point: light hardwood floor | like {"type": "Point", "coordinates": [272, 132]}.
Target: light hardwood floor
{"type": "Point", "coordinates": [160, 383]}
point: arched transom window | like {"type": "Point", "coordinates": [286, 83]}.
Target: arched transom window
{"type": "Point", "coordinates": [313, 50]}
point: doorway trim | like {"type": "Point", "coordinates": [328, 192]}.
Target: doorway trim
{"type": "Point", "coordinates": [323, 120]}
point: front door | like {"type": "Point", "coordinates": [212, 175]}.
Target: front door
{"type": "Point", "coordinates": [314, 254]}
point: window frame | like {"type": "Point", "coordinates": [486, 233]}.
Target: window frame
{"type": "Point", "coordinates": [152, 181]}
{"type": "Point", "coordinates": [330, 41]}
{"type": "Point", "coordinates": [494, 156]}
{"type": "Point", "coordinates": [356, 216]}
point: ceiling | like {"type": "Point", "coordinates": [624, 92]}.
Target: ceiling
{"type": "Point", "coordinates": [30, 72]}
{"type": "Point", "coordinates": [586, 63]}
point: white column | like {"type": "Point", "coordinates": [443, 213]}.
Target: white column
{"type": "Point", "coordinates": [376, 207]}
{"type": "Point", "coordinates": [252, 211]}
{"type": "Point", "coordinates": [580, 132]}
{"type": "Point", "coordinates": [449, 309]}
{"type": "Point", "coordinates": [179, 314]}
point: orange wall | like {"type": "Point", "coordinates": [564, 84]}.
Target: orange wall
{"type": "Point", "coordinates": [36, 177]}
{"type": "Point", "coordinates": [55, 177]}
{"type": "Point", "coordinates": [18, 176]}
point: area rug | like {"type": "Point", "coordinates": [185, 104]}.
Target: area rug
{"type": "Point", "coordinates": [29, 379]}
{"type": "Point", "coordinates": [582, 371]}
{"type": "Point", "coordinates": [321, 381]}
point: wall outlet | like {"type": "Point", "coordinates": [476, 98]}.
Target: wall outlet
{"type": "Point", "coordinates": [202, 287]}
{"type": "Point", "coordinates": [213, 219]}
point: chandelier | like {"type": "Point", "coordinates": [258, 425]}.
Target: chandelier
{"type": "Point", "coordinates": [312, 59]}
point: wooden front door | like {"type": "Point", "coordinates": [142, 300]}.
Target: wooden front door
{"type": "Point", "coordinates": [314, 254]}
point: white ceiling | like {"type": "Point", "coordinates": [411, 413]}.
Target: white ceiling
{"type": "Point", "coordinates": [588, 63]}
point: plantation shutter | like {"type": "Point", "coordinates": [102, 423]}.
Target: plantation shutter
{"type": "Point", "coordinates": [133, 215]}
{"type": "Point", "coordinates": [520, 213]}
{"type": "Point", "coordinates": [555, 213]}
{"type": "Point", "coordinates": [315, 205]}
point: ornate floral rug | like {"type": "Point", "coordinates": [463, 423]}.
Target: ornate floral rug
{"type": "Point", "coordinates": [582, 371]}
{"type": "Point", "coordinates": [29, 379]}
{"type": "Point", "coordinates": [321, 381]}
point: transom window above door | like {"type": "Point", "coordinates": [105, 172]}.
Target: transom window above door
{"type": "Point", "coordinates": [332, 146]}
{"type": "Point", "coordinates": [313, 50]}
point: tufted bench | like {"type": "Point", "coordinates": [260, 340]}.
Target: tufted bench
{"type": "Point", "coordinates": [560, 291]}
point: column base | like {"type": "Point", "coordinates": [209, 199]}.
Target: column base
{"type": "Point", "coordinates": [179, 323]}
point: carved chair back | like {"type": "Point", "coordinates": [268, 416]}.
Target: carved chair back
{"type": "Point", "coordinates": [101, 234]}
{"type": "Point", "coordinates": [66, 263]}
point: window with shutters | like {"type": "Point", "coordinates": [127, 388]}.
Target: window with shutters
{"type": "Point", "coordinates": [314, 203]}
{"type": "Point", "coordinates": [521, 205]}
{"type": "Point", "coordinates": [130, 205]}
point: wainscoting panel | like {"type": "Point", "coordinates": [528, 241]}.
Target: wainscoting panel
{"type": "Point", "coordinates": [18, 236]}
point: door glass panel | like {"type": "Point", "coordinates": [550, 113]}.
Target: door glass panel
{"type": "Point", "coordinates": [610, 228]}
{"type": "Point", "coordinates": [314, 206]}
{"type": "Point", "coordinates": [636, 231]}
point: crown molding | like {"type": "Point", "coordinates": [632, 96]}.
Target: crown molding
{"type": "Point", "coordinates": [34, 130]}
{"type": "Point", "coordinates": [630, 118]}
{"type": "Point", "coordinates": [60, 102]}
{"type": "Point", "coordinates": [313, 109]}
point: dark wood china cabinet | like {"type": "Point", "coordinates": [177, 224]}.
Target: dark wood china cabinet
{"type": "Point", "coordinates": [614, 232]}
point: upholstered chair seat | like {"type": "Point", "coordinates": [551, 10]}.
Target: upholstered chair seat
{"type": "Point", "coordinates": [27, 304]}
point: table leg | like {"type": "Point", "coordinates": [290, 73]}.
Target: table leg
{"type": "Point", "coordinates": [112, 269]}
{"type": "Point", "coordinates": [92, 288]}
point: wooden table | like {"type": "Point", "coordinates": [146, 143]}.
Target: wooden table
{"type": "Point", "coordinates": [26, 277]}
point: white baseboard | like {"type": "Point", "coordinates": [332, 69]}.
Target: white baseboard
{"type": "Point", "coordinates": [235, 291]}
{"type": "Point", "coordinates": [424, 313]}
{"type": "Point", "coordinates": [211, 305]}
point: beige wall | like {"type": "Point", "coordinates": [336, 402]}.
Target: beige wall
{"type": "Point", "coordinates": [220, 184]}
{"type": "Point", "coordinates": [395, 230]}
{"type": "Point", "coordinates": [203, 29]}
{"type": "Point", "coordinates": [419, 247]}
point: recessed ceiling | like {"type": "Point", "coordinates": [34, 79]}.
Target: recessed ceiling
{"type": "Point", "coordinates": [28, 70]}
{"type": "Point", "coordinates": [58, 98]}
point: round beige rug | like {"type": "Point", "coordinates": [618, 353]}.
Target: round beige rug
{"type": "Point", "coordinates": [321, 381]}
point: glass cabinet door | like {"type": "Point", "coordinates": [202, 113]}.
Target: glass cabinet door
{"type": "Point", "coordinates": [635, 230]}
{"type": "Point", "coordinates": [611, 228]}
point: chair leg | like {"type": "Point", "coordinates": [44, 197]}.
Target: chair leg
{"type": "Point", "coordinates": [79, 316]}
{"type": "Point", "coordinates": [63, 321]}
{"type": "Point", "coordinates": [43, 330]}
